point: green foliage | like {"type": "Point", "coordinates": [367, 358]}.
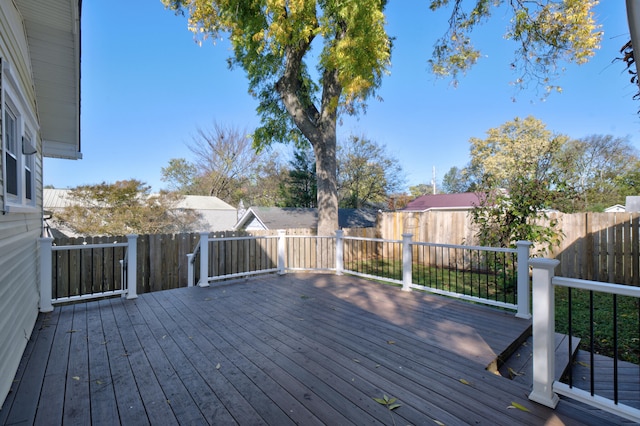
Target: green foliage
{"type": "Point", "coordinates": [504, 218]}
{"type": "Point", "coordinates": [300, 189]}
{"type": "Point", "coordinates": [181, 176]}
{"type": "Point", "coordinates": [420, 189]}
{"type": "Point", "coordinates": [457, 181]}
{"type": "Point", "coordinates": [390, 403]}
{"type": "Point", "coordinates": [513, 166]}
{"type": "Point", "coordinates": [125, 207]}
{"type": "Point", "coordinates": [367, 174]}
{"type": "Point", "coordinates": [546, 32]}
{"type": "Point", "coordinates": [602, 169]}
{"type": "Point", "coordinates": [271, 38]}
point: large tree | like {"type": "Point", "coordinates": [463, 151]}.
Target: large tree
{"type": "Point", "coordinates": [225, 165]}
{"type": "Point", "coordinates": [274, 41]}
{"type": "Point", "coordinates": [600, 168]}
{"type": "Point", "coordinates": [367, 174]}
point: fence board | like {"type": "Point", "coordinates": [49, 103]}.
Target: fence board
{"type": "Point", "coordinates": [597, 246]}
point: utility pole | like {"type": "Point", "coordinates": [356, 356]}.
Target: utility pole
{"type": "Point", "coordinates": [433, 180]}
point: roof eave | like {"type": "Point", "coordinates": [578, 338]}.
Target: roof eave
{"type": "Point", "coordinates": [53, 35]}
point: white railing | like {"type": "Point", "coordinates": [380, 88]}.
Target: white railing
{"type": "Point", "coordinates": [127, 264]}
{"type": "Point", "coordinates": [545, 388]}
{"type": "Point", "coordinates": [312, 253]}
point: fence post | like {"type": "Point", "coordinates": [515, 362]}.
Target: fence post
{"type": "Point", "coordinates": [132, 266]}
{"type": "Point", "coordinates": [339, 251]}
{"type": "Point", "coordinates": [281, 247]}
{"type": "Point", "coordinates": [407, 262]}
{"type": "Point", "coordinates": [523, 279]}
{"type": "Point", "coordinates": [543, 332]}
{"type": "Point", "coordinates": [190, 277]}
{"type": "Point", "coordinates": [204, 260]}
{"type": "Point", "coordinates": [45, 274]}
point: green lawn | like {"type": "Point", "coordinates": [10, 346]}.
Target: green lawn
{"type": "Point", "coordinates": [498, 286]}
{"type": "Point", "coordinates": [628, 322]}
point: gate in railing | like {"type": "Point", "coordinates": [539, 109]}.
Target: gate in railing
{"type": "Point", "coordinates": [609, 394]}
{"type": "Point", "coordinates": [78, 272]}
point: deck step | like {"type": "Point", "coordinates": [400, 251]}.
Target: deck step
{"type": "Point", "coordinates": [519, 366]}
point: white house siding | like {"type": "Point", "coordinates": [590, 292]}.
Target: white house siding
{"type": "Point", "coordinates": [19, 231]}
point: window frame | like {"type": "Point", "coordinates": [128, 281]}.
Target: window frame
{"type": "Point", "coordinates": [14, 103]}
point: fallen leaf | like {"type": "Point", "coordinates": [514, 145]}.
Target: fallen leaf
{"type": "Point", "coordinates": [98, 382]}
{"type": "Point", "coordinates": [464, 382]}
{"type": "Point", "coordinates": [391, 342]}
{"type": "Point", "coordinates": [439, 423]}
{"type": "Point", "coordinates": [356, 360]}
{"type": "Point", "coordinates": [513, 373]}
{"type": "Point", "coordinates": [218, 366]}
{"type": "Point", "coordinates": [76, 378]}
{"type": "Point", "coordinates": [584, 364]}
{"type": "Point", "coordinates": [518, 406]}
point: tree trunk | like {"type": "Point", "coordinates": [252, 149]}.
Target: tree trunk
{"type": "Point", "coordinates": [325, 152]}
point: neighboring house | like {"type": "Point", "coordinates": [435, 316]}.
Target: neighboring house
{"type": "Point", "coordinates": [215, 214]}
{"type": "Point", "coordinates": [270, 218]}
{"type": "Point", "coordinates": [615, 209]}
{"type": "Point", "coordinates": [40, 115]}
{"type": "Point", "coordinates": [444, 202]}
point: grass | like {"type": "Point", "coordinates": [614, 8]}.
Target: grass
{"type": "Point", "coordinates": [498, 286]}
{"type": "Point", "coordinates": [628, 322]}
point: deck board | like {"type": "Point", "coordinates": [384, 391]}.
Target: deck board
{"type": "Point", "coordinates": [294, 349]}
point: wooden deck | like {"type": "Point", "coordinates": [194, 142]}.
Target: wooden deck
{"type": "Point", "coordinates": [295, 349]}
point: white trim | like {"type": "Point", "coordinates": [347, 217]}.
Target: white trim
{"type": "Point", "coordinates": [16, 87]}
{"type": "Point", "coordinates": [13, 98]}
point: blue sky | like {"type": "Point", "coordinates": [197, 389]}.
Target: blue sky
{"type": "Point", "coordinates": [147, 87]}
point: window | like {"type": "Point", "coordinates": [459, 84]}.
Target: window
{"type": "Point", "coordinates": [18, 147]}
{"type": "Point", "coordinates": [11, 151]}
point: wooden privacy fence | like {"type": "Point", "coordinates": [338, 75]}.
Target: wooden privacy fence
{"type": "Point", "coordinates": [595, 246]}
{"type": "Point", "coordinates": [161, 260]}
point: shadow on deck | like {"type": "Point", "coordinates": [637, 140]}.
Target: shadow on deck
{"type": "Point", "coordinates": [293, 349]}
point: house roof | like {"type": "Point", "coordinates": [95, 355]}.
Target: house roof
{"type": "Point", "coordinates": [460, 201]}
{"type": "Point", "coordinates": [203, 202]}
{"type": "Point", "coordinates": [53, 199]}
{"type": "Point", "coordinates": [292, 217]}
{"type": "Point", "coordinates": [53, 35]}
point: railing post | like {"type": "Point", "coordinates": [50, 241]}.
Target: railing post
{"type": "Point", "coordinates": [45, 274]}
{"type": "Point", "coordinates": [190, 277]}
{"type": "Point", "coordinates": [281, 247]}
{"type": "Point", "coordinates": [543, 332]}
{"type": "Point", "coordinates": [407, 262]}
{"type": "Point", "coordinates": [339, 251]}
{"type": "Point", "coordinates": [523, 279]}
{"type": "Point", "coordinates": [132, 267]}
{"type": "Point", "coordinates": [204, 260]}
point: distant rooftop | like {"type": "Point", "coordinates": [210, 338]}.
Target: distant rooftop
{"type": "Point", "coordinates": [460, 201]}
{"type": "Point", "coordinates": [291, 217]}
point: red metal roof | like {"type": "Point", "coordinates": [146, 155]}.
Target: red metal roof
{"type": "Point", "coordinates": [444, 202]}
